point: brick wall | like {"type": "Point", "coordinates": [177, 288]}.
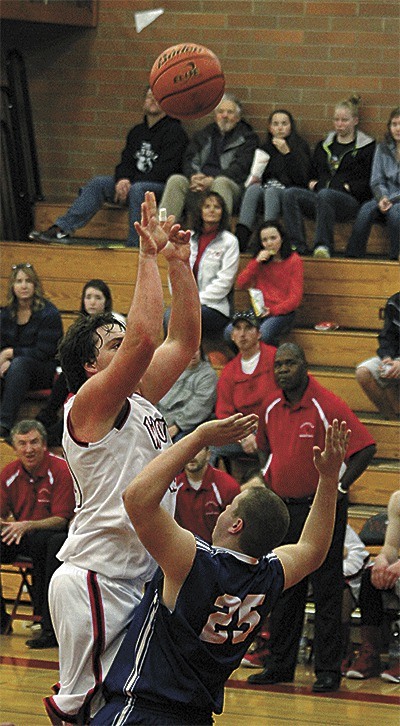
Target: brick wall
{"type": "Point", "coordinates": [86, 84]}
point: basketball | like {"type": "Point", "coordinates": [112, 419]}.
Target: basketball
{"type": "Point", "coordinates": [187, 81]}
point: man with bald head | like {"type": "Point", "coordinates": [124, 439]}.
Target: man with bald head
{"type": "Point", "coordinates": [295, 420]}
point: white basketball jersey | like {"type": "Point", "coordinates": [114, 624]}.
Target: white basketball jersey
{"type": "Point", "coordinates": [101, 537]}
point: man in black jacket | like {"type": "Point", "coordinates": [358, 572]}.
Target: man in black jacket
{"type": "Point", "coordinates": [153, 151]}
{"type": "Point", "coordinates": [218, 159]}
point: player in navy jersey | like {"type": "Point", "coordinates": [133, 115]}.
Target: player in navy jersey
{"type": "Point", "coordinates": [206, 603]}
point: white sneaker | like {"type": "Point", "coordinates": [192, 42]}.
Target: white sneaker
{"type": "Point", "coordinates": [322, 252]}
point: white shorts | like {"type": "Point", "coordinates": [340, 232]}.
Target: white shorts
{"type": "Point", "coordinates": [90, 614]}
{"type": "Point", "coordinates": [372, 364]}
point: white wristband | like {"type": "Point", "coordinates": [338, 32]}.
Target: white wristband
{"type": "Point", "coordinates": [341, 490]}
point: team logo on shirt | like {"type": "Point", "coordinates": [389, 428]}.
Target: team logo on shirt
{"type": "Point", "coordinates": [306, 430]}
{"type": "Point", "coordinates": [157, 430]}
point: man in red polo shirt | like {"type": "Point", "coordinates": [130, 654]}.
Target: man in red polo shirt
{"type": "Point", "coordinates": [244, 383]}
{"type": "Point", "coordinates": [295, 420]}
{"type": "Point", "coordinates": [36, 491]}
{"type": "Point", "coordinates": [203, 493]}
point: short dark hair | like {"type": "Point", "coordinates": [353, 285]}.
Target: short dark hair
{"type": "Point", "coordinates": [26, 426]}
{"type": "Point", "coordinates": [255, 245]}
{"type": "Point", "coordinates": [80, 345]}
{"type": "Point", "coordinates": [293, 348]}
{"type": "Point", "coordinates": [197, 219]}
{"type": "Point", "coordinates": [98, 285]}
{"type": "Point", "coordinates": [265, 521]}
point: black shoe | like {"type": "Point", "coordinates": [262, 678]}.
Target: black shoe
{"type": "Point", "coordinates": [5, 624]}
{"type": "Point", "coordinates": [269, 677]}
{"type": "Point", "coordinates": [326, 682]}
{"type": "Point", "coordinates": [53, 234]}
{"type": "Point", "coordinates": [45, 640]}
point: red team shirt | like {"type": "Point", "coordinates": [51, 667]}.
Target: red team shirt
{"type": "Point", "coordinates": [199, 510]}
{"type": "Point", "coordinates": [292, 433]}
{"type": "Point", "coordinates": [49, 493]}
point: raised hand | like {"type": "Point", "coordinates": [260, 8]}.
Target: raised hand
{"type": "Point", "coordinates": [329, 461]}
{"type": "Point", "coordinates": [153, 233]}
{"type": "Point", "coordinates": [178, 245]}
{"type": "Point", "coordinates": [228, 430]}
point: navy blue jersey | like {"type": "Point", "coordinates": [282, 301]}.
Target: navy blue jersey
{"type": "Point", "coordinates": [179, 661]}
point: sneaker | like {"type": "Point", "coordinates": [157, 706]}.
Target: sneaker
{"type": "Point", "coordinates": [45, 640]}
{"type": "Point", "coordinates": [322, 252]}
{"type": "Point", "coordinates": [366, 665]}
{"type": "Point", "coordinates": [392, 672]}
{"type": "Point", "coordinates": [256, 658]}
{"type": "Point", "coordinates": [53, 234]}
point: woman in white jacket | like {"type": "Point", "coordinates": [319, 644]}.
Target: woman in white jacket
{"type": "Point", "coordinates": [214, 258]}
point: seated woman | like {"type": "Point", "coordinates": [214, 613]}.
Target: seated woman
{"type": "Point", "coordinates": [191, 399]}
{"type": "Point", "coordinates": [277, 273]}
{"type": "Point", "coordinates": [96, 298]}
{"type": "Point", "coordinates": [288, 163]}
{"type": "Point", "coordinates": [385, 186]}
{"type": "Point", "coordinates": [339, 184]}
{"type": "Point", "coordinates": [30, 330]}
{"type": "Point", "coordinates": [214, 258]}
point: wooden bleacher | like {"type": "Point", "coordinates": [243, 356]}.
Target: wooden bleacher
{"type": "Point", "coordinates": [351, 292]}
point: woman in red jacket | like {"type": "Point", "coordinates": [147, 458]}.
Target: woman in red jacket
{"type": "Point", "coordinates": [277, 272]}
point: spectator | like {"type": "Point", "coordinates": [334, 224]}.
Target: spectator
{"type": "Point", "coordinates": [191, 399]}
{"type": "Point", "coordinates": [153, 151]}
{"type": "Point", "coordinates": [37, 492]}
{"type": "Point", "coordinates": [205, 604]}
{"type": "Point", "coordinates": [217, 159]}
{"type": "Point", "coordinates": [384, 575]}
{"type": "Point", "coordinates": [112, 429]}
{"type": "Point", "coordinates": [244, 383]}
{"type": "Point", "coordinates": [214, 258]}
{"type": "Point", "coordinates": [379, 377]}
{"type": "Point", "coordinates": [96, 298]}
{"type": "Point", "coordinates": [287, 162]}
{"type": "Point", "coordinates": [385, 185]}
{"type": "Point", "coordinates": [341, 169]}
{"type": "Point", "coordinates": [355, 559]}
{"type": "Point", "coordinates": [30, 329]}
{"type": "Point", "coordinates": [295, 421]}
{"type": "Point", "coordinates": [275, 274]}
{"type": "Point", "coordinates": [203, 493]}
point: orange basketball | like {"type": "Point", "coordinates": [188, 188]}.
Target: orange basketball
{"type": "Point", "coordinates": [187, 81]}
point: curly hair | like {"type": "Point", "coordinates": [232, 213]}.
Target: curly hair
{"type": "Point", "coordinates": [80, 345]}
{"type": "Point", "coordinates": [38, 301]}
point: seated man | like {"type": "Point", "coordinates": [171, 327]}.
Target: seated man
{"type": "Point", "coordinates": [206, 603]}
{"type": "Point", "coordinates": [218, 159]}
{"type": "Point", "coordinates": [153, 152]}
{"type": "Point", "coordinates": [191, 399]}
{"type": "Point", "coordinates": [383, 575]}
{"type": "Point", "coordinates": [203, 493]}
{"type": "Point", "coordinates": [37, 491]}
{"type": "Point", "coordinates": [244, 383]}
{"type": "Point", "coordinates": [379, 377]}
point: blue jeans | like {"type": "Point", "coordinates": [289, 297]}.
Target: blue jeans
{"type": "Point", "coordinates": [327, 206]}
{"type": "Point", "coordinates": [23, 375]}
{"type": "Point", "coordinates": [367, 215]}
{"type": "Point", "coordinates": [271, 328]}
{"type": "Point", "coordinates": [101, 189]}
{"type": "Point", "coordinates": [272, 200]}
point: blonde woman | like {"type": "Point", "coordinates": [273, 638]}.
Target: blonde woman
{"type": "Point", "coordinates": [339, 184]}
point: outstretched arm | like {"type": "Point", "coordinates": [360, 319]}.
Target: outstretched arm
{"type": "Point", "coordinates": [172, 546]}
{"type": "Point", "coordinates": [100, 400]}
{"type": "Point", "coordinates": [310, 551]}
{"type": "Point", "coordinates": [184, 329]}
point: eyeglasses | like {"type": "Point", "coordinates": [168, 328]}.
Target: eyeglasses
{"type": "Point", "coordinates": [21, 265]}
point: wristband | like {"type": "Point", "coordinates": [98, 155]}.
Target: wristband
{"type": "Point", "coordinates": [341, 490]}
